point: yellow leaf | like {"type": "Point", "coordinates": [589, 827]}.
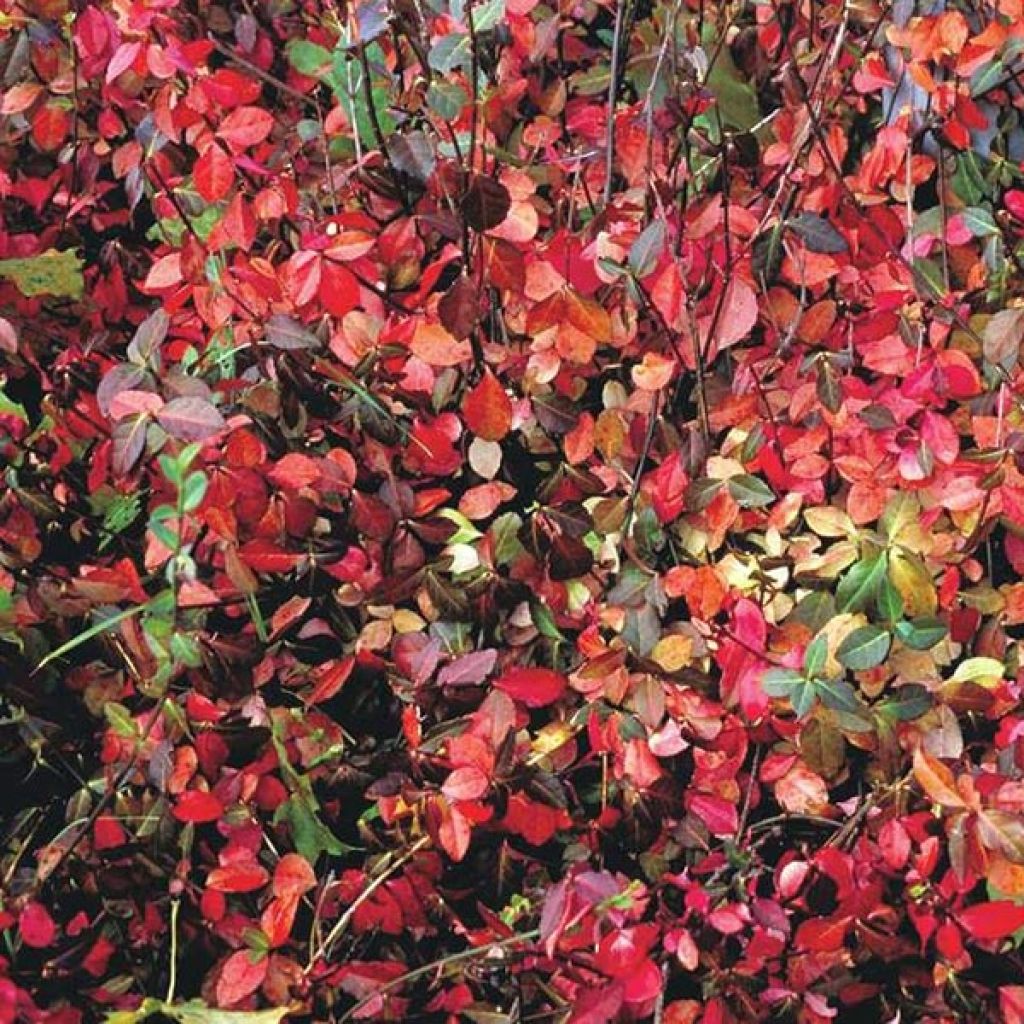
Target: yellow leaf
{"type": "Point", "coordinates": [909, 575]}
{"type": "Point", "coordinates": [673, 652]}
{"type": "Point", "coordinates": [984, 671]}
{"type": "Point", "coordinates": [53, 272]}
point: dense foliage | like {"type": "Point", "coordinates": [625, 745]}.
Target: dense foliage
{"type": "Point", "coordinates": [513, 510]}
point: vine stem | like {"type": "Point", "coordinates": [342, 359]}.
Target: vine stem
{"type": "Point", "coordinates": [172, 982]}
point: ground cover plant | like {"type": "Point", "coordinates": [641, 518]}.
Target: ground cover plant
{"type": "Point", "coordinates": [512, 511]}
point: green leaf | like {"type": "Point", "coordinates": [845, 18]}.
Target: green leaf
{"type": "Point", "coordinates": [864, 648]}
{"type": "Point", "coordinates": [804, 697]}
{"type": "Point", "coordinates": [195, 1012]}
{"type": "Point", "coordinates": [701, 492]}
{"type": "Point", "coordinates": [309, 834]}
{"type": "Point", "coordinates": [736, 100]}
{"type": "Point", "coordinates": [308, 58]}
{"type": "Point", "coordinates": [488, 14]}
{"type": "Point", "coordinates": [446, 99]}
{"type": "Point", "coordinates": [838, 695]}
{"type": "Point", "coordinates": [968, 182]}
{"type": "Point", "coordinates": [750, 491]}
{"type": "Point", "coordinates": [53, 272]}
{"type": "Point", "coordinates": [451, 51]}
{"type": "Point", "coordinates": [814, 610]}
{"type": "Point", "coordinates": [858, 587]}
{"type": "Point", "coordinates": [921, 634]}
{"type": "Point", "coordinates": [815, 656]}
{"type": "Point", "coordinates": [504, 534]}
{"type": "Point", "coordinates": [544, 620]}
{"type": "Point", "coordinates": [890, 601]}
{"type": "Point", "coordinates": [86, 635]}
{"type": "Point", "coordinates": [987, 77]}
{"type": "Point", "coordinates": [781, 682]}
{"type": "Point", "coordinates": [194, 491]}
{"type": "Point", "coordinates": [979, 221]}
{"type": "Point", "coordinates": [905, 703]}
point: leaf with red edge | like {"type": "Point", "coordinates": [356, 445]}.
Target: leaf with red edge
{"type": "Point", "coordinates": [989, 921]}
{"type": "Point", "coordinates": [534, 687]}
{"type": "Point", "coordinates": [486, 203]}
{"type": "Point", "coordinates": [190, 418]}
{"type": "Point", "coordinates": [488, 409]}
{"type": "Point", "coordinates": [459, 308]}
{"type": "Point", "coordinates": [36, 927]}
{"type": "Point", "coordinates": [936, 780]}
{"type": "Point", "coordinates": [198, 806]}
{"type": "Point", "coordinates": [239, 976]}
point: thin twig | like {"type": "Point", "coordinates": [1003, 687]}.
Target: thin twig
{"type": "Point", "coordinates": [613, 91]}
{"type": "Point", "coordinates": [419, 972]}
{"type": "Point", "coordinates": [342, 923]}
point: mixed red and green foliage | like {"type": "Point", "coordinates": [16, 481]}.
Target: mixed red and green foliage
{"type": "Point", "coordinates": [513, 510]}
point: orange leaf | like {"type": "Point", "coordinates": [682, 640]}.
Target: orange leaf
{"type": "Point", "coordinates": [488, 410]}
{"type": "Point", "coordinates": [293, 876]}
{"type": "Point", "coordinates": [587, 316]}
{"type": "Point", "coordinates": [435, 346]}
{"type": "Point", "coordinates": [654, 372]}
{"type": "Point", "coordinates": [936, 780]}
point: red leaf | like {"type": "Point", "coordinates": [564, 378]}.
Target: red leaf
{"type": "Point", "coordinates": [36, 926]}
{"type": "Point", "coordinates": [293, 876]}
{"type": "Point", "coordinates": [238, 878]}
{"type": "Point", "coordinates": [197, 806]}
{"type": "Point", "coordinates": [466, 783]}
{"type": "Point", "coordinates": [822, 935]}
{"type": "Point", "coordinates": [534, 687]}
{"type": "Point", "coordinates": [265, 556]}
{"type": "Point", "coordinates": [165, 273]}
{"type": "Point", "coordinates": [245, 127]}
{"type": "Point", "coordinates": [597, 1005]}
{"type": "Point", "coordinates": [717, 813]}
{"type": "Point", "coordinates": [277, 919]}
{"type": "Point", "coordinates": [294, 472]}
{"type": "Point", "coordinates": [239, 977]}
{"type": "Point", "coordinates": [622, 950]}
{"type": "Point", "coordinates": [993, 920]}
{"type": "Point", "coordinates": [50, 126]}
{"type": "Point", "coordinates": [1011, 1004]}
{"type": "Point", "coordinates": [454, 830]}
{"type": "Point", "coordinates": [488, 409]}
{"type": "Point", "coordinates": [213, 174]}
{"type": "Point", "coordinates": [339, 289]}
